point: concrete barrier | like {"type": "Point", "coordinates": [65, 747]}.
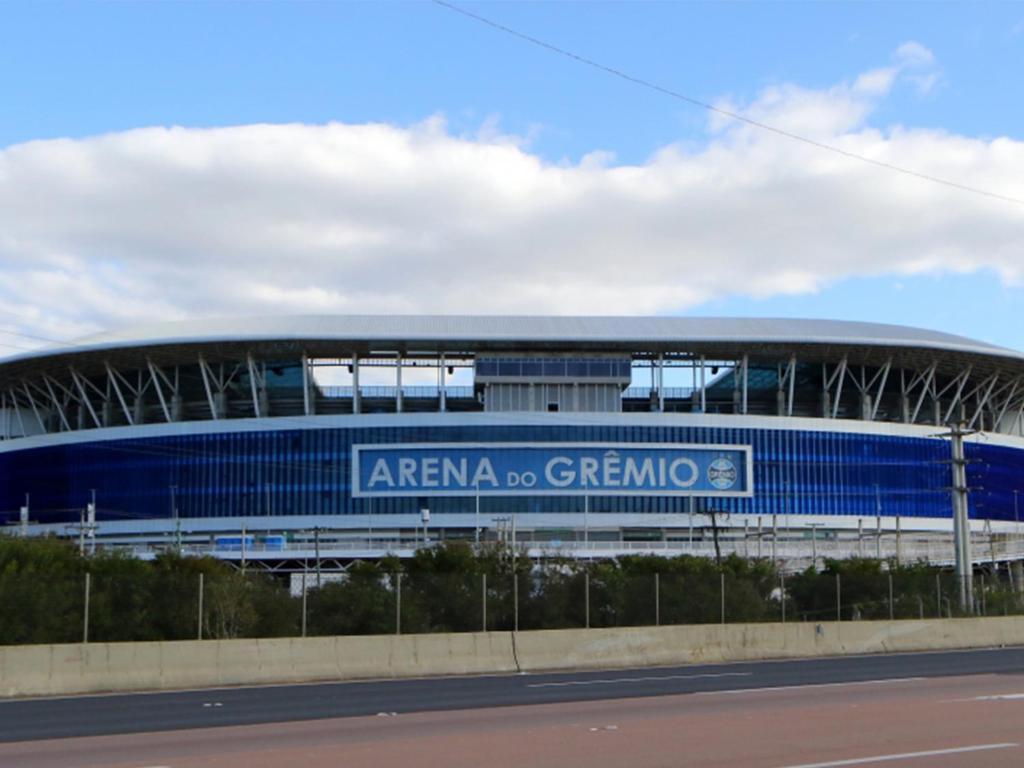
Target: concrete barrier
{"type": "Point", "coordinates": [69, 669]}
{"type": "Point", "coordinates": [640, 646]}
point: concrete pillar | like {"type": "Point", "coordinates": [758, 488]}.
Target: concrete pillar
{"type": "Point", "coordinates": [356, 405]}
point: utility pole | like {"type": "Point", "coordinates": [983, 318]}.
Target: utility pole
{"type": "Point", "coordinates": [90, 521]}
{"type": "Point", "coordinates": [961, 521]}
{"type": "Point", "coordinates": [316, 541]}
{"type": "Point", "coordinates": [24, 516]}
{"type": "Point", "coordinates": [177, 521]}
{"type": "Point", "coordinates": [476, 535]}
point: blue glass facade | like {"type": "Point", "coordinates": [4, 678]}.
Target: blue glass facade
{"type": "Point", "coordinates": [307, 471]}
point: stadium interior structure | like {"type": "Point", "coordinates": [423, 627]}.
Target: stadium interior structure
{"type": "Point", "coordinates": [239, 437]}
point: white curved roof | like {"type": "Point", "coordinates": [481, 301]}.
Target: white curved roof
{"type": "Point", "coordinates": [483, 328]}
{"type": "Point", "coordinates": [469, 332]}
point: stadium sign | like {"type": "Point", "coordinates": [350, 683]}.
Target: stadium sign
{"type": "Point", "coordinates": [551, 469]}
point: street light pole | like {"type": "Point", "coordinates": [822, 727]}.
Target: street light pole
{"type": "Point", "coordinates": [878, 522]}
{"type": "Point", "coordinates": [814, 542]}
{"type": "Point", "coordinates": [586, 520]}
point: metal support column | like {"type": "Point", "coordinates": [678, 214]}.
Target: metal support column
{"type": "Point", "coordinates": [355, 383]}
{"type": "Point", "coordinates": [398, 384]}
{"type": "Point", "coordinates": [442, 381]}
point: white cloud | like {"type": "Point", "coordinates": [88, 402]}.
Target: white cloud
{"type": "Point", "coordinates": [173, 222]}
{"type": "Point", "coordinates": [917, 65]}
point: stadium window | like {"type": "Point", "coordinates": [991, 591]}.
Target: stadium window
{"type": "Point", "coordinates": [554, 368]}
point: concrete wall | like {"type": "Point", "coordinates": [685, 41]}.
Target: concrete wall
{"type": "Point", "coordinates": [67, 669]}
{"type": "Point", "coordinates": [597, 648]}
{"type": "Point", "coordinates": [62, 669]}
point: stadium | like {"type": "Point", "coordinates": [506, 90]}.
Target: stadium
{"type": "Point", "coordinates": [273, 440]}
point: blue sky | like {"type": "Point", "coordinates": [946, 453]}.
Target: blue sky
{"type": "Point", "coordinates": [79, 70]}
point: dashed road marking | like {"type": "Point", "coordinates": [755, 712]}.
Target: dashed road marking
{"type": "Point", "coordinates": [645, 679]}
{"type": "Point", "coordinates": [768, 689]}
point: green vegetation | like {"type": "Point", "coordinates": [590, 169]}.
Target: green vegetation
{"type": "Point", "coordinates": [448, 588]}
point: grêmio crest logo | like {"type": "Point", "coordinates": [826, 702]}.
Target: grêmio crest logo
{"type": "Point", "coordinates": [722, 474]}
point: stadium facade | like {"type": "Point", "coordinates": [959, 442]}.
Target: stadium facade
{"type": "Point", "coordinates": [584, 434]}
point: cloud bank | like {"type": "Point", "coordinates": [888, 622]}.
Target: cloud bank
{"type": "Point", "coordinates": [161, 223]}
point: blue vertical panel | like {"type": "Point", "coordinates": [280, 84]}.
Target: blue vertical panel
{"type": "Point", "coordinates": [222, 475]}
{"type": "Point", "coordinates": [995, 475]}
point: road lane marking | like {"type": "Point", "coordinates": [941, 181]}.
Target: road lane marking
{"type": "Point", "coordinates": [883, 681]}
{"type": "Point", "coordinates": [649, 678]}
{"type": "Point", "coordinates": [1000, 697]}
{"type": "Point", "coordinates": [904, 756]}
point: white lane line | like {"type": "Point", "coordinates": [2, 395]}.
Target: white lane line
{"type": "Point", "coordinates": [650, 678]}
{"type": "Point", "coordinates": [904, 756]}
{"type": "Point", "coordinates": [999, 697]}
{"type": "Point", "coordinates": [883, 681]}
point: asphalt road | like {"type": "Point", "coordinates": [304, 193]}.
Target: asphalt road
{"type": "Point", "coordinates": [54, 718]}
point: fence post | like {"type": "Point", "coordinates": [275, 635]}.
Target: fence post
{"type": "Point", "coordinates": [982, 594]}
{"type": "Point", "coordinates": [722, 581]}
{"type": "Point", "coordinates": [782, 582]}
{"type": "Point", "coordinates": [199, 629]}
{"type": "Point", "coordinates": [515, 601]}
{"type": "Point", "coordinates": [839, 600]}
{"type": "Point", "coordinates": [398, 605]}
{"type": "Point", "coordinates": [303, 602]}
{"type": "Point", "coordinates": [586, 599]}
{"type": "Point", "coordinates": [938, 595]}
{"type": "Point", "coordinates": [85, 610]}
{"type": "Point", "coordinates": [891, 608]}
{"type": "Point", "coordinates": [483, 602]}
{"type": "Point", "coordinates": [657, 600]}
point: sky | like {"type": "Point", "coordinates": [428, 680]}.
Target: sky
{"type": "Point", "coordinates": [160, 161]}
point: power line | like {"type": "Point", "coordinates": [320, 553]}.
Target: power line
{"type": "Point", "coordinates": [721, 111]}
{"type": "Point", "coordinates": [33, 337]}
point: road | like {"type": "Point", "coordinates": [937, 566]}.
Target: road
{"type": "Point", "coordinates": [934, 709]}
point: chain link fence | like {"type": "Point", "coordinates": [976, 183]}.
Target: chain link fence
{"type": "Point", "coordinates": [51, 594]}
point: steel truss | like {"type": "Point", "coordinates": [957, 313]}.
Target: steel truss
{"type": "Point", "coordinates": [150, 390]}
